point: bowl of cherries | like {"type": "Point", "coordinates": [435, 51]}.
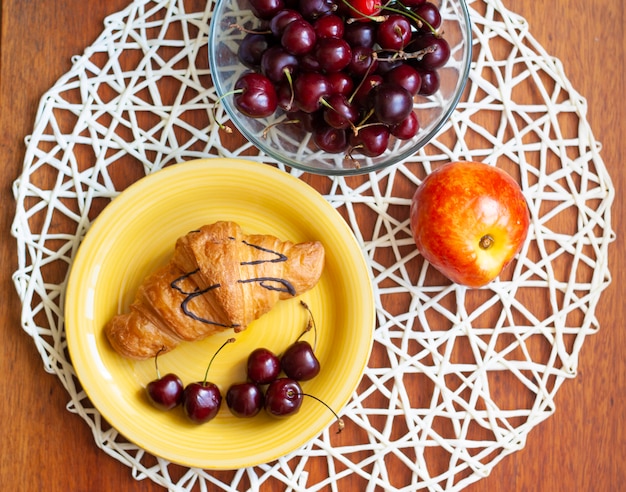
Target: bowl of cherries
{"type": "Point", "coordinates": [339, 87]}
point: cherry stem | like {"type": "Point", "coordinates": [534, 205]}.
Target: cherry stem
{"type": "Point", "coordinates": [239, 27]}
{"type": "Point", "coordinates": [486, 241]}
{"type": "Point", "coordinates": [226, 128]}
{"type": "Point", "coordinates": [340, 423]}
{"type": "Point", "coordinates": [403, 55]}
{"type": "Point", "coordinates": [206, 374]}
{"type": "Point", "coordinates": [267, 129]}
{"type": "Point", "coordinates": [310, 323]}
{"type": "Point", "coordinates": [156, 365]}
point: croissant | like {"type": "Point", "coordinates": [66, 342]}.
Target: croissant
{"type": "Point", "coordinates": [218, 278]}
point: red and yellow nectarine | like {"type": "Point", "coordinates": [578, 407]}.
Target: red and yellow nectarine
{"type": "Point", "coordinates": [469, 220]}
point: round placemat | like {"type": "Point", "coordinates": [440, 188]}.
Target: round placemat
{"type": "Point", "coordinates": [457, 377]}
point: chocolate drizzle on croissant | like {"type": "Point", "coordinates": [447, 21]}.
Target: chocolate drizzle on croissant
{"type": "Point", "coordinates": [218, 278]}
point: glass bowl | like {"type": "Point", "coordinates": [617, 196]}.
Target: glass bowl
{"type": "Point", "coordinates": [294, 146]}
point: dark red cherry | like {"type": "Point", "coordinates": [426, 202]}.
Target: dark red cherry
{"type": "Point", "coordinates": [281, 19]}
{"type": "Point", "coordinates": [430, 82]}
{"type": "Point", "coordinates": [329, 139]}
{"type": "Point", "coordinates": [299, 362]}
{"type": "Point", "coordinates": [360, 34]}
{"type": "Point", "coordinates": [256, 96]}
{"type": "Point", "coordinates": [263, 366]}
{"type": "Point", "coordinates": [406, 76]}
{"type": "Point", "coordinates": [391, 102]}
{"type": "Point", "coordinates": [329, 26]}
{"type": "Point", "coordinates": [371, 141]}
{"type": "Point", "coordinates": [407, 128]}
{"type": "Point", "coordinates": [165, 393]}
{"type": "Point", "coordinates": [429, 13]}
{"type": "Point", "coordinates": [333, 54]}
{"type": "Point", "coordinates": [340, 83]}
{"type": "Point", "coordinates": [394, 33]}
{"type": "Point", "coordinates": [362, 61]}
{"type": "Point", "coordinates": [252, 47]}
{"type": "Point", "coordinates": [283, 397]}
{"type": "Point", "coordinates": [266, 9]}
{"type": "Point", "coordinates": [312, 9]}
{"type": "Point", "coordinates": [309, 89]}
{"type": "Point", "coordinates": [362, 92]}
{"type": "Point", "coordinates": [298, 37]}
{"type": "Point", "coordinates": [244, 399]}
{"type": "Point", "coordinates": [438, 55]}
{"type": "Point", "coordinates": [339, 112]}
{"type": "Point", "coordinates": [201, 401]}
{"type": "Point", "coordinates": [276, 63]}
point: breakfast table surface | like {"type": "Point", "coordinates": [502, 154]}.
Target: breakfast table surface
{"type": "Point", "coordinates": [582, 447]}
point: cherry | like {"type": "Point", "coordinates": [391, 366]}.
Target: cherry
{"type": "Point", "coordinates": [407, 128]}
{"type": "Point", "coordinates": [329, 26]}
{"type": "Point", "coordinates": [283, 397]}
{"type": "Point", "coordinates": [371, 140]}
{"type": "Point", "coordinates": [164, 392]}
{"type": "Point", "coordinates": [330, 139]}
{"type": "Point", "coordinates": [277, 64]}
{"type": "Point", "coordinates": [394, 33]}
{"type": "Point", "coordinates": [362, 62]}
{"type": "Point", "coordinates": [299, 361]}
{"type": "Point", "coordinates": [439, 54]}
{"type": "Point", "coordinates": [360, 34]}
{"type": "Point", "coordinates": [333, 54]}
{"type": "Point", "coordinates": [244, 400]}
{"type": "Point", "coordinates": [429, 13]}
{"type": "Point", "coordinates": [362, 9]}
{"type": "Point", "coordinates": [430, 82]}
{"type": "Point", "coordinates": [298, 37]}
{"type": "Point", "coordinates": [252, 47]}
{"type": "Point", "coordinates": [309, 63]}
{"type": "Point", "coordinates": [362, 92]}
{"type": "Point", "coordinates": [266, 9]}
{"type": "Point", "coordinates": [312, 9]}
{"type": "Point", "coordinates": [340, 83]}
{"type": "Point", "coordinates": [202, 400]}
{"type": "Point", "coordinates": [263, 366]}
{"type": "Point", "coordinates": [391, 102]}
{"type": "Point", "coordinates": [309, 89]}
{"type": "Point", "coordinates": [406, 76]}
{"type": "Point", "coordinates": [255, 95]}
{"type": "Point", "coordinates": [281, 19]}
{"type": "Point", "coordinates": [339, 112]}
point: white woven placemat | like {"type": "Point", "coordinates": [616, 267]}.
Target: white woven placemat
{"type": "Point", "coordinates": [109, 112]}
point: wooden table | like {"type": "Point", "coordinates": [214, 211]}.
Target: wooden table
{"type": "Point", "coordinates": [581, 448]}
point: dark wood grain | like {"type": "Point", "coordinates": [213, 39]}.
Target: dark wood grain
{"type": "Point", "coordinates": [581, 448]}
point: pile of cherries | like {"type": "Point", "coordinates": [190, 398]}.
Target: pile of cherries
{"type": "Point", "coordinates": [263, 389]}
{"type": "Point", "coordinates": [344, 70]}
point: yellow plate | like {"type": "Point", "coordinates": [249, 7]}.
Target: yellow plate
{"type": "Point", "coordinates": [136, 233]}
